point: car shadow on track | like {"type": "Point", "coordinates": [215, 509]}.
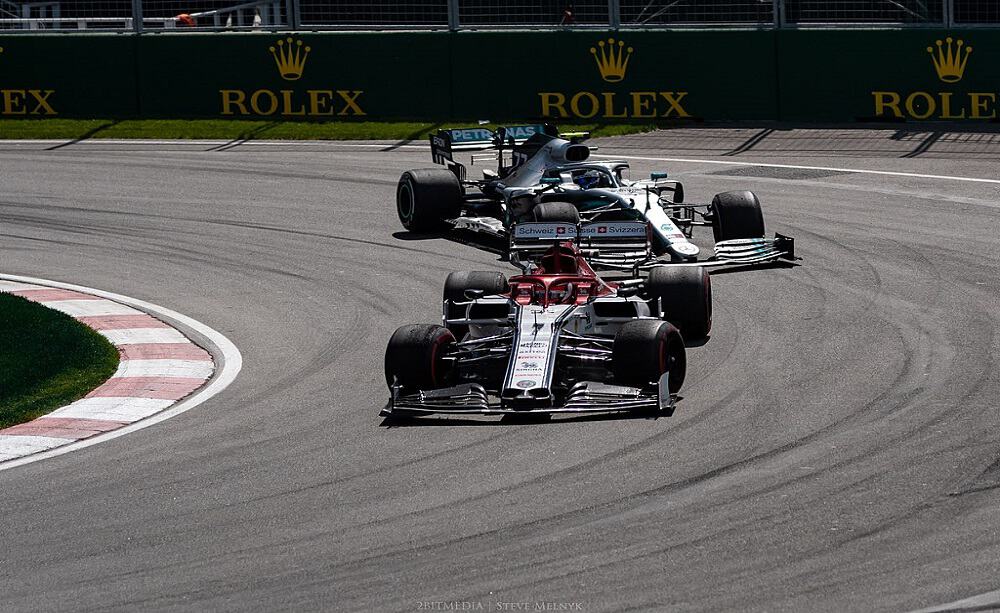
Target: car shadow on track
{"type": "Point", "coordinates": [488, 244]}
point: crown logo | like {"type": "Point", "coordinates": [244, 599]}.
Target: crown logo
{"type": "Point", "coordinates": [290, 58]}
{"type": "Point", "coordinates": [950, 62]}
{"type": "Point", "coordinates": [612, 59]}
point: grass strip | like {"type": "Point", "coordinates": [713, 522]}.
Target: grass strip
{"type": "Point", "coordinates": [235, 129]}
{"type": "Point", "coordinates": [47, 359]}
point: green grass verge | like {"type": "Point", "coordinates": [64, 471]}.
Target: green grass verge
{"type": "Point", "coordinates": [47, 360]}
{"type": "Point", "coordinates": [234, 129]}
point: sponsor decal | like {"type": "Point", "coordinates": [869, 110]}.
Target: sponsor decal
{"type": "Point", "coordinates": [529, 345]}
{"type": "Point", "coordinates": [949, 59]}
{"type": "Point", "coordinates": [290, 58]}
{"type": "Point", "coordinates": [612, 60]}
{"type": "Point", "coordinates": [25, 101]}
{"type": "Point", "coordinates": [542, 230]}
{"type": "Point", "coordinates": [633, 229]}
{"type": "Point", "coordinates": [525, 384]}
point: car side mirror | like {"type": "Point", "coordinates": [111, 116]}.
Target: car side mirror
{"type": "Point", "coordinates": [551, 181]}
{"type": "Point", "coordinates": [679, 194]}
{"type": "Point", "coordinates": [474, 294]}
{"type": "Point", "coordinates": [658, 174]}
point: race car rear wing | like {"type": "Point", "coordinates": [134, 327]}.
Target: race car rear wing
{"type": "Point", "coordinates": [625, 246]}
{"type": "Point", "coordinates": [446, 142]}
{"type": "Point", "coordinates": [626, 240]}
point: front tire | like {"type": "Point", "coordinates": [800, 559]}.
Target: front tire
{"type": "Point", "coordinates": [684, 294]}
{"type": "Point", "coordinates": [736, 215]}
{"type": "Point", "coordinates": [426, 197]}
{"type": "Point", "coordinates": [413, 356]}
{"type": "Point", "coordinates": [644, 349]}
{"type": "Point", "coordinates": [490, 282]}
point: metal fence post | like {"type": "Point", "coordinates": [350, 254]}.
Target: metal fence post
{"type": "Point", "coordinates": [294, 16]}
{"type": "Point", "coordinates": [615, 14]}
{"type": "Point", "coordinates": [778, 8]}
{"type": "Point", "coordinates": [949, 13]}
{"type": "Point", "coordinates": [137, 16]}
{"type": "Point", "coordinates": [453, 22]}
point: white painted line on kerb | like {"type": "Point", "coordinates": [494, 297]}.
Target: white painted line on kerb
{"type": "Point", "coordinates": [229, 362]}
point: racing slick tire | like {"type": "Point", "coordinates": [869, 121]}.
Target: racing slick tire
{"type": "Point", "coordinates": [685, 297]}
{"type": "Point", "coordinates": [644, 349]}
{"type": "Point", "coordinates": [555, 211]}
{"type": "Point", "coordinates": [413, 356]}
{"type": "Point", "coordinates": [736, 215]}
{"type": "Point", "coordinates": [426, 197]}
{"type": "Point", "coordinates": [490, 282]}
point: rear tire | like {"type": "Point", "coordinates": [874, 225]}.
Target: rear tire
{"type": "Point", "coordinates": [555, 212]}
{"type": "Point", "coordinates": [490, 282]}
{"type": "Point", "coordinates": [685, 295]}
{"type": "Point", "coordinates": [644, 349]}
{"type": "Point", "coordinates": [737, 215]}
{"type": "Point", "coordinates": [413, 356]}
{"type": "Point", "coordinates": [426, 197]}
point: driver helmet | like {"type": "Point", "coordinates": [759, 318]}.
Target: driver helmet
{"type": "Point", "coordinates": [588, 179]}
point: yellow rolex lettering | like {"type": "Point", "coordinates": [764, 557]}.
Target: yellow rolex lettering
{"type": "Point", "coordinates": [674, 100]}
{"type": "Point", "coordinates": [946, 107]}
{"type": "Point", "coordinates": [319, 102]}
{"type": "Point", "coordinates": [981, 103]}
{"type": "Point", "coordinates": [913, 105]}
{"type": "Point", "coordinates": [350, 102]}
{"type": "Point", "coordinates": [42, 106]}
{"type": "Point", "coordinates": [553, 101]}
{"type": "Point", "coordinates": [287, 104]}
{"type": "Point", "coordinates": [609, 107]}
{"type": "Point", "coordinates": [887, 101]}
{"type": "Point", "coordinates": [13, 102]}
{"type": "Point", "coordinates": [231, 98]}
{"type": "Point", "coordinates": [272, 102]}
{"type": "Point", "coordinates": [642, 104]}
{"type": "Point", "coordinates": [574, 105]}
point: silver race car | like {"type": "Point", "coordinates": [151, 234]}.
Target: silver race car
{"type": "Point", "coordinates": [542, 176]}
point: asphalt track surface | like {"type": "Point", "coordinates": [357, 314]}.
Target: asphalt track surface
{"type": "Point", "coordinates": [836, 448]}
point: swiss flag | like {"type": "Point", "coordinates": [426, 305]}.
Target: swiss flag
{"type": "Point", "coordinates": [602, 229]}
{"type": "Point", "coordinates": [560, 230]}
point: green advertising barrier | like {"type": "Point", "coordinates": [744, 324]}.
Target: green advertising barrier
{"type": "Point", "coordinates": [913, 75]}
{"type": "Point", "coordinates": [67, 76]}
{"type": "Point", "coordinates": [627, 76]}
{"type": "Point", "coordinates": [292, 76]}
{"type": "Point", "coordinates": [615, 76]}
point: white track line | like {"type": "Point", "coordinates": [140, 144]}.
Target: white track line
{"type": "Point", "coordinates": [982, 602]}
{"type": "Point", "coordinates": [390, 146]}
{"type": "Point", "coordinates": [229, 362]}
{"type": "Point", "coordinates": [885, 173]}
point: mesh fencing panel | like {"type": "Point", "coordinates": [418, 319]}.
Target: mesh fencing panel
{"type": "Point", "coordinates": [864, 11]}
{"type": "Point", "coordinates": [66, 15]}
{"type": "Point", "coordinates": [214, 14]}
{"type": "Point", "coordinates": [546, 13]}
{"type": "Point", "coordinates": [667, 12]}
{"type": "Point", "coordinates": [180, 15]}
{"type": "Point", "coordinates": [977, 11]}
{"type": "Point", "coordinates": [376, 13]}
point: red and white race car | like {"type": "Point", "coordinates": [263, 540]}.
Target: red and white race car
{"type": "Point", "coordinates": [556, 339]}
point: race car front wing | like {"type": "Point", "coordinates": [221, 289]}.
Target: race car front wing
{"type": "Point", "coordinates": [584, 397]}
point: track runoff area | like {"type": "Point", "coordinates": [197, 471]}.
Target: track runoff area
{"type": "Point", "coordinates": [835, 448]}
